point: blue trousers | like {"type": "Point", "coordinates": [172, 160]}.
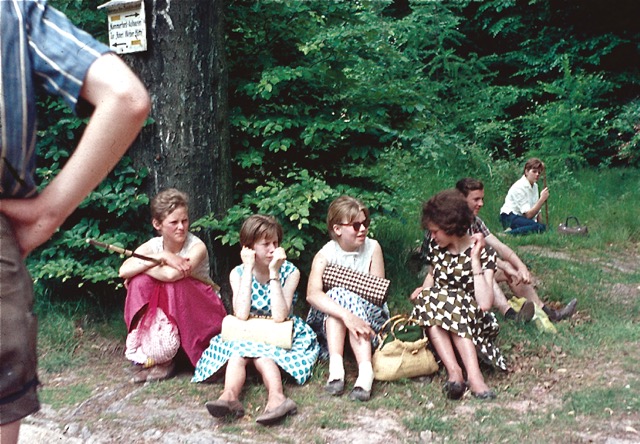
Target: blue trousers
{"type": "Point", "coordinates": [520, 224]}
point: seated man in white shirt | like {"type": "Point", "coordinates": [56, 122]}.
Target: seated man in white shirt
{"type": "Point", "coordinates": [511, 269]}
{"type": "Point", "coordinates": [520, 213]}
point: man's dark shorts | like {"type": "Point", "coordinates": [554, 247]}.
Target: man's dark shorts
{"type": "Point", "coordinates": [18, 330]}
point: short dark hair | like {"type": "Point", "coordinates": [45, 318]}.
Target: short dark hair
{"type": "Point", "coordinates": [536, 163]}
{"type": "Point", "coordinates": [469, 184]}
{"type": "Point", "coordinates": [449, 211]}
{"type": "Point", "coordinates": [260, 226]}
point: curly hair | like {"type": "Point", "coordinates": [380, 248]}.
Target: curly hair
{"type": "Point", "coordinates": [257, 227]}
{"type": "Point", "coordinates": [449, 211]}
{"type": "Point", "coordinates": [165, 202]}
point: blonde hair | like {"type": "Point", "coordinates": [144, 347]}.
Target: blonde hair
{"type": "Point", "coordinates": [344, 209]}
{"type": "Point", "coordinates": [165, 202]}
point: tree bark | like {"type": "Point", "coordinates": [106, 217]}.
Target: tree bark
{"type": "Point", "coordinates": [187, 145]}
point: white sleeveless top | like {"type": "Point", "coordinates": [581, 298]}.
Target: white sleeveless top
{"type": "Point", "coordinates": [359, 260]}
{"type": "Point", "coordinates": [202, 270]}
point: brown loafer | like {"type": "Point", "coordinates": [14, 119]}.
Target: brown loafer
{"type": "Point", "coordinates": [140, 375]}
{"type": "Point", "coordinates": [288, 407]}
{"type": "Point", "coordinates": [526, 312]}
{"type": "Point", "coordinates": [161, 372]}
{"type": "Point", "coordinates": [221, 408]}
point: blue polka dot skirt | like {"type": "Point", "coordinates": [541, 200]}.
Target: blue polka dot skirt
{"type": "Point", "coordinates": [297, 362]}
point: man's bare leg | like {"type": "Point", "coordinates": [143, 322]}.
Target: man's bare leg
{"type": "Point", "coordinates": [9, 433]}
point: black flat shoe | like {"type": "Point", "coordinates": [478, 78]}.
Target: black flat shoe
{"type": "Point", "coordinates": [335, 387]}
{"type": "Point", "coordinates": [360, 394]}
{"type": "Point", "coordinates": [489, 394]}
{"type": "Point", "coordinates": [454, 390]}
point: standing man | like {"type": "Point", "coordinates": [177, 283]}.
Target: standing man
{"type": "Point", "coordinates": [520, 213]}
{"type": "Point", "coordinates": [40, 48]}
{"type": "Point", "coordinates": [510, 268]}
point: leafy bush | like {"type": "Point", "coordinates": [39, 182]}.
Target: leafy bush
{"type": "Point", "coordinates": [366, 98]}
{"type": "Point", "coordinates": [110, 213]}
{"type": "Point", "coordinates": [300, 205]}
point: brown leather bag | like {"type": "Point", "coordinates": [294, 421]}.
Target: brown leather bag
{"type": "Point", "coordinates": [577, 229]}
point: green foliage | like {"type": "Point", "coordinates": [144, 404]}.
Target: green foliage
{"type": "Point", "coordinates": [300, 205]}
{"type": "Point", "coordinates": [322, 98]}
{"type": "Point", "coordinates": [627, 126]}
{"type": "Point", "coordinates": [110, 214]}
{"type": "Point", "coordinates": [569, 66]}
{"type": "Point", "coordinates": [568, 126]}
{"type": "Point", "coordinates": [367, 98]}
{"type": "Point", "coordinates": [86, 15]}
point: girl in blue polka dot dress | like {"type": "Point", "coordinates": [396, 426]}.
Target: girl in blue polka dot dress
{"type": "Point", "coordinates": [264, 285]}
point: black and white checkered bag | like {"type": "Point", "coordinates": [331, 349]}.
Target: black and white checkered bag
{"type": "Point", "coordinates": [372, 288]}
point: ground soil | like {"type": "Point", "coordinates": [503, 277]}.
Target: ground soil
{"type": "Point", "coordinates": [116, 410]}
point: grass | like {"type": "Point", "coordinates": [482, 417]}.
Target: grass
{"type": "Point", "coordinates": [601, 402]}
{"type": "Point", "coordinates": [583, 378]}
{"type": "Point", "coordinates": [65, 396]}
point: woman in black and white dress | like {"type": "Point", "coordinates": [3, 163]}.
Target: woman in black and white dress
{"type": "Point", "coordinates": [456, 296]}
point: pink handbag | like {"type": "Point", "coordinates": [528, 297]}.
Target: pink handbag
{"type": "Point", "coordinates": [155, 339]}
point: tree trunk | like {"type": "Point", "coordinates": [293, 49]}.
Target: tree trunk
{"type": "Point", "coordinates": [187, 145]}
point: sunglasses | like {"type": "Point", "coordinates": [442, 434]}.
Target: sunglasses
{"type": "Point", "coordinates": [357, 225]}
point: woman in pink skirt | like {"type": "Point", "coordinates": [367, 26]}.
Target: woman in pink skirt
{"type": "Point", "coordinates": [179, 283]}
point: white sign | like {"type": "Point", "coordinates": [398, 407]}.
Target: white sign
{"type": "Point", "coordinates": [127, 25]}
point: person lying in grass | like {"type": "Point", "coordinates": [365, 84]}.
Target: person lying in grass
{"type": "Point", "coordinates": [456, 296]}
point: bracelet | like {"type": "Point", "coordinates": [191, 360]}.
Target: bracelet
{"type": "Point", "coordinates": [478, 274]}
{"type": "Point", "coordinates": [274, 279]}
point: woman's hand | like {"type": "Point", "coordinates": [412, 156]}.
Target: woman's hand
{"type": "Point", "coordinates": [279, 256]}
{"type": "Point", "coordinates": [358, 327]}
{"type": "Point", "coordinates": [182, 264]}
{"type": "Point", "coordinates": [415, 294]}
{"type": "Point", "coordinates": [478, 245]}
{"type": "Point", "coordinates": [248, 257]}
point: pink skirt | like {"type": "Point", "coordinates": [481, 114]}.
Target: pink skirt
{"type": "Point", "coordinates": [194, 306]}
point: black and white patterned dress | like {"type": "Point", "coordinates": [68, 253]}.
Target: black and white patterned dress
{"type": "Point", "coordinates": [451, 304]}
{"type": "Point", "coordinates": [359, 260]}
